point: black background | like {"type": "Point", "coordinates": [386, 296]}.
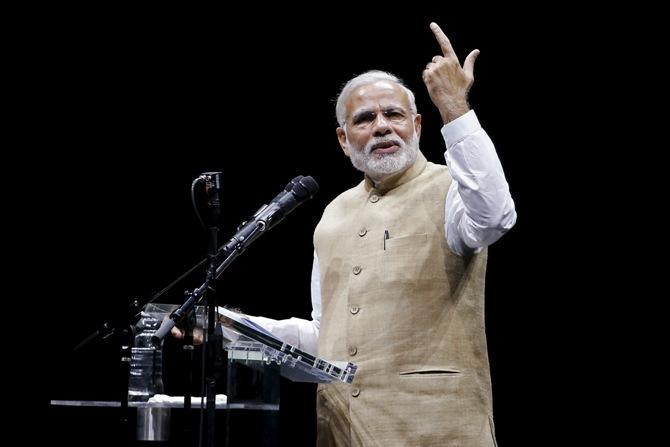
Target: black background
{"type": "Point", "coordinates": [136, 104]}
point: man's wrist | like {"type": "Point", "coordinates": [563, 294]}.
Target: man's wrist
{"type": "Point", "coordinates": [453, 110]}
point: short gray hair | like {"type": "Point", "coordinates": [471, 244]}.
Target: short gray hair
{"type": "Point", "coordinates": [368, 77]}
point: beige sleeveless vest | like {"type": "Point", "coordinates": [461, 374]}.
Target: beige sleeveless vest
{"type": "Point", "coordinates": [409, 312]}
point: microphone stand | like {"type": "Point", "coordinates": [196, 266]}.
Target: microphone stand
{"type": "Point", "coordinates": [296, 192]}
{"type": "Point", "coordinates": [123, 328]}
{"type": "Point", "coordinates": [213, 341]}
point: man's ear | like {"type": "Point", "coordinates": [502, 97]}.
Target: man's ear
{"type": "Point", "coordinates": [417, 124]}
{"type": "Point", "coordinates": [342, 138]}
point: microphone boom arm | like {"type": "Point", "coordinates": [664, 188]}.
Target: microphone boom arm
{"type": "Point", "coordinates": [232, 250]}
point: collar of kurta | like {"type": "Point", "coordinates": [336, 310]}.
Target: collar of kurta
{"type": "Point", "coordinates": [399, 178]}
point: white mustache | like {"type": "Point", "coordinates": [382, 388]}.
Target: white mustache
{"type": "Point", "coordinates": [371, 145]}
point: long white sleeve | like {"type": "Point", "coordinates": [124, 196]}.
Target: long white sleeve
{"type": "Point", "coordinates": [479, 208]}
{"type": "Point", "coordinates": [304, 334]}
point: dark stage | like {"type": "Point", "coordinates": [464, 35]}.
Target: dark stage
{"type": "Point", "coordinates": [140, 105]}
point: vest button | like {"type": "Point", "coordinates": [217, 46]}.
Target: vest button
{"type": "Point", "coordinates": [355, 392]}
{"type": "Point", "coordinates": [354, 310]}
{"type": "Point", "coordinates": [362, 232]}
{"type": "Point", "coordinates": [352, 350]}
{"type": "Point", "coordinates": [357, 269]}
{"type": "Point", "coordinates": [374, 198]}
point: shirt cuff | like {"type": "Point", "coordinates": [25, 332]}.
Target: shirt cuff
{"type": "Point", "coordinates": [458, 129]}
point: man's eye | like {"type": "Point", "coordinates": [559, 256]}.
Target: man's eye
{"type": "Point", "coordinates": [364, 118]}
{"type": "Point", "coordinates": [393, 114]}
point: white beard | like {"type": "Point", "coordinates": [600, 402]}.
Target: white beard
{"type": "Point", "coordinates": [377, 166]}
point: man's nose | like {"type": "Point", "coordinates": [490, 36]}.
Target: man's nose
{"type": "Point", "coordinates": [382, 125]}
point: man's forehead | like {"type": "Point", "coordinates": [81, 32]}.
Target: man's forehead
{"type": "Point", "coordinates": [384, 92]}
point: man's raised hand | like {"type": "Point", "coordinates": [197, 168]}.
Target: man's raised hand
{"type": "Point", "coordinates": [447, 82]}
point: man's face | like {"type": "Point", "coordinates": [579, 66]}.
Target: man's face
{"type": "Point", "coordinates": [380, 134]}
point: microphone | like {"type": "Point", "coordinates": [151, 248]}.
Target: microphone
{"type": "Point", "coordinates": [284, 191]}
{"type": "Point", "coordinates": [296, 191]}
{"type": "Point", "coordinates": [301, 189]}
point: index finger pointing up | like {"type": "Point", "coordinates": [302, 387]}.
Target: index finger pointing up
{"type": "Point", "coordinates": [442, 39]}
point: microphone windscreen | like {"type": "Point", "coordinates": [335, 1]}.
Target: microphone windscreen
{"type": "Point", "coordinates": [305, 188]}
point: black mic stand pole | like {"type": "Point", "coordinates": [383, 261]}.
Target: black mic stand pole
{"type": "Point", "coordinates": [212, 343]}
